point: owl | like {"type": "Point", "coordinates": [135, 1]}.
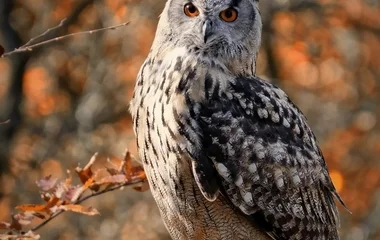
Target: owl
{"type": "Point", "coordinates": [227, 154]}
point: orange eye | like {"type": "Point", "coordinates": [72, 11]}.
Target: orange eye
{"type": "Point", "coordinates": [229, 15]}
{"type": "Point", "coordinates": [191, 10]}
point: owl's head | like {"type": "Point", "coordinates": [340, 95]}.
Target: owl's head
{"type": "Point", "coordinates": [226, 29]}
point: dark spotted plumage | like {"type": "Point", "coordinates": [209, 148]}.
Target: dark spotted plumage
{"type": "Point", "coordinates": [227, 155]}
{"type": "Point", "coordinates": [269, 162]}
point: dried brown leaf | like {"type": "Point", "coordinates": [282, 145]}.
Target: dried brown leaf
{"type": "Point", "coordinates": [80, 209]}
{"type": "Point", "coordinates": [53, 209]}
{"type": "Point", "coordinates": [115, 163]}
{"type": "Point", "coordinates": [132, 173]}
{"type": "Point", "coordinates": [31, 208]}
{"type": "Point", "coordinates": [69, 178]}
{"type": "Point", "coordinates": [88, 184]}
{"type": "Point", "coordinates": [31, 235]}
{"type": "Point", "coordinates": [73, 193]}
{"type": "Point", "coordinates": [70, 193]}
{"type": "Point", "coordinates": [63, 190]}
{"type": "Point", "coordinates": [114, 179]}
{"type": "Point", "coordinates": [144, 186]}
{"type": "Point", "coordinates": [15, 224]}
{"type": "Point", "coordinates": [46, 183]}
{"type": "Point", "coordinates": [54, 201]}
{"type": "Point", "coordinates": [39, 215]}
{"type": "Point", "coordinates": [138, 172]}
{"type": "Point", "coordinates": [24, 218]}
{"type": "Point", "coordinates": [46, 196]}
{"type": "Point", "coordinates": [112, 171]}
{"type": "Point", "coordinates": [126, 165]}
{"type": "Point", "coordinates": [4, 225]}
{"type": "Point", "coordinates": [8, 236]}
{"type": "Point", "coordinates": [86, 173]}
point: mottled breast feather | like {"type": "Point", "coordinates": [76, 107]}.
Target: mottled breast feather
{"type": "Point", "coordinates": [268, 161]}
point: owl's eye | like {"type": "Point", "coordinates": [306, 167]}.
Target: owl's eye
{"type": "Point", "coordinates": [191, 10]}
{"type": "Point", "coordinates": [229, 15]}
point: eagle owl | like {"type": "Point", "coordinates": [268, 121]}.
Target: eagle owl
{"type": "Point", "coordinates": [227, 154]}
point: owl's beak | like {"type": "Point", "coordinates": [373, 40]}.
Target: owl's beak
{"type": "Point", "coordinates": [206, 30]}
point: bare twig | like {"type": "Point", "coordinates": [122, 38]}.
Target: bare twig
{"type": "Point", "coordinates": [5, 122]}
{"type": "Point", "coordinates": [29, 46]}
{"type": "Point", "coordinates": [36, 39]}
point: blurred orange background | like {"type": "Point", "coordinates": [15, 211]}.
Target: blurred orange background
{"type": "Point", "coordinates": [69, 99]}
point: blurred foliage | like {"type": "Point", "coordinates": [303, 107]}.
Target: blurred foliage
{"type": "Point", "coordinates": [69, 99]}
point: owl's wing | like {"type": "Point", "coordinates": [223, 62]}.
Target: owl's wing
{"type": "Point", "coordinates": [268, 161]}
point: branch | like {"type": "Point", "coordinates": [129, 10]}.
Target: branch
{"type": "Point", "coordinates": [35, 39]}
{"type": "Point", "coordinates": [69, 20]}
{"type": "Point", "coordinates": [94, 194]}
{"type": "Point", "coordinates": [29, 47]}
{"type": "Point", "coordinates": [5, 122]}
{"type": "Point", "coordinates": [63, 196]}
{"type": "Point", "coordinates": [10, 107]}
